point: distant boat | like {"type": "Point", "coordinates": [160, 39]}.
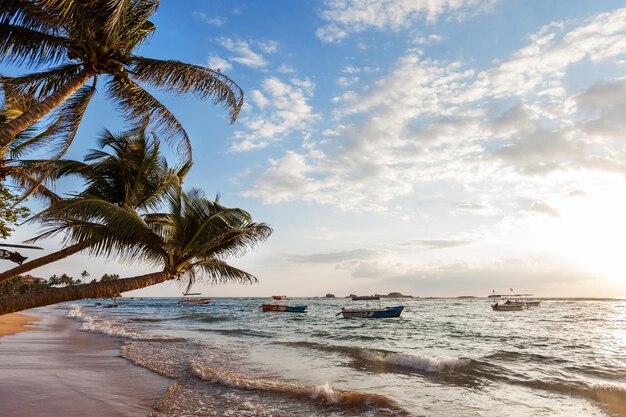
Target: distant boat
{"type": "Point", "coordinates": [368, 312]}
{"type": "Point", "coordinates": [194, 300]}
{"type": "Point", "coordinates": [279, 297]}
{"type": "Point", "coordinates": [283, 308]}
{"type": "Point", "coordinates": [508, 307]}
{"type": "Point", "coordinates": [514, 300]}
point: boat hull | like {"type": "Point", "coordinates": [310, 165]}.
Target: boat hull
{"type": "Point", "coordinates": [283, 309]}
{"type": "Point", "coordinates": [198, 301]}
{"type": "Point", "coordinates": [508, 307]}
{"type": "Point", "coordinates": [372, 313]}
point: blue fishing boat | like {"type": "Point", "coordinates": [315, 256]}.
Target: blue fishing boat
{"type": "Point", "coordinates": [369, 312]}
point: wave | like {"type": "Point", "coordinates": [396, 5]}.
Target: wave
{"type": "Point", "coordinates": [423, 363]}
{"type": "Point", "coordinates": [238, 332]}
{"type": "Point", "coordinates": [107, 327]}
{"type": "Point", "coordinates": [511, 356]}
{"type": "Point", "coordinates": [324, 394]}
{"type": "Point", "coordinates": [201, 317]}
{"type": "Point", "coordinates": [148, 320]}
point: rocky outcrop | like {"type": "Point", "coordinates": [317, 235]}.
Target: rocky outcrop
{"type": "Point", "coordinates": [329, 295]}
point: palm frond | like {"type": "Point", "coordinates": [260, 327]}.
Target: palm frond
{"type": "Point", "coordinates": [22, 46]}
{"type": "Point", "coordinates": [111, 229]}
{"type": "Point", "coordinates": [137, 104]}
{"type": "Point", "coordinates": [70, 114]}
{"type": "Point", "coordinates": [116, 13]}
{"type": "Point", "coordinates": [29, 15]}
{"type": "Point", "coordinates": [138, 27]}
{"type": "Point", "coordinates": [41, 84]}
{"type": "Point", "coordinates": [215, 271]}
{"type": "Point", "coordinates": [178, 77]}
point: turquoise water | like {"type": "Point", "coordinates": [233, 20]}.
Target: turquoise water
{"type": "Point", "coordinates": [442, 357]}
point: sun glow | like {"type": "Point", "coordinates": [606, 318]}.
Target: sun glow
{"type": "Point", "coordinates": [590, 232]}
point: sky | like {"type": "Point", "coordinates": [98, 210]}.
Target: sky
{"type": "Point", "coordinates": [431, 147]}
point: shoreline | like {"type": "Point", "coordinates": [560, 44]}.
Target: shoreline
{"type": "Point", "coordinates": [61, 370]}
{"type": "Point", "coordinates": [14, 323]}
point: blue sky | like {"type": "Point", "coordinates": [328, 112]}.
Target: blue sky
{"type": "Point", "coordinates": [437, 148]}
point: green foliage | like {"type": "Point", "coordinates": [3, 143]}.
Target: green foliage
{"type": "Point", "coordinates": [63, 281]}
{"type": "Point", "coordinates": [18, 286]}
{"type": "Point", "coordinates": [69, 42]}
{"type": "Point", "coordinates": [111, 277]}
{"type": "Point", "coordinates": [9, 214]}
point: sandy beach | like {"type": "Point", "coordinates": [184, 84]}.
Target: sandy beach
{"type": "Point", "coordinates": [62, 371]}
{"type": "Point", "coordinates": [15, 323]}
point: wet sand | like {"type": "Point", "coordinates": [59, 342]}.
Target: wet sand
{"type": "Point", "coordinates": [15, 323]}
{"type": "Point", "coordinates": [62, 371]}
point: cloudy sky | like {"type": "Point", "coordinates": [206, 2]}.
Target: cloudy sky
{"type": "Point", "coordinates": [432, 147]}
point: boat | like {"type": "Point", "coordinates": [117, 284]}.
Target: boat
{"type": "Point", "coordinates": [279, 297]}
{"type": "Point", "coordinates": [194, 300]}
{"type": "Point", "coordinates": [508, 306]}
{"type": "Point", "coordinates": [283, 308]}
{"type": "Point", "coordinates": [515, 300]}
{"type": "Point", "coordinates": [369, 312]}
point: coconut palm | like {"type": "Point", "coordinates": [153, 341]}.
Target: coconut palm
{"type": "Point", "coordinates": [70, 42]}
{"type": "Point", "coordinates": [189, 242]}
{"type": "Point", "coordinates": [128, 170]}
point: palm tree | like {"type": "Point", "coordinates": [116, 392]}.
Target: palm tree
{"type": "Point", "coordinates": [189, 242]}
{"type": "Point", "coordinates": [132, 175]}
{"type": "Point", "coordinates": [70, 42]}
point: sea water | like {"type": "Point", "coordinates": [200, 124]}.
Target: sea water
{"type": "Point", "coordinates": [442, 357]}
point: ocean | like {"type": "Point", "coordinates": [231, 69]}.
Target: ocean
{"type": "Point", "coordinates": [442, 357]}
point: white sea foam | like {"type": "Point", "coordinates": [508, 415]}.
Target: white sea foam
{"type": "Point", "coordinates": [100, 325]}
{"type": "Point", "coordinates": [420, 362]}
{"type": "Point", "coordinates": [324, 393]}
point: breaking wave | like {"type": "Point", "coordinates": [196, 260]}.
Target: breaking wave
{"type": "Point", "coordinates": [424, 363]}
{"type": "Point", "coordinates": [320, 393]}
{"type": "Point", "coordinates": [112, 328]}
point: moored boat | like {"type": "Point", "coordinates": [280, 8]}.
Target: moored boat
{"type": "Point", "coordinates": [522, 300]}
{"type": "Point", "coordinates": [194, 300]}
{"type": "Point", "coordinates": [283, 308]}
{"type": "Point", "coordinates": [279, 297]}
{"type": "Point", "coordinates": [508, 307]}
{"type": "Point", "coordinates": [368, 312]}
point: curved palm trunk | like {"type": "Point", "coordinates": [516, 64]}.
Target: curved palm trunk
{"type": "Point", "coordinates": [9, 130]}
{"type": "Point", "coordinates": [78, 292]}
{"type": "Point", "coordinates": [44, 260]}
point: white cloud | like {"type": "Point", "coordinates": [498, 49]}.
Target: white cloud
{"type": "Point", "coordinates": [215, 62]}
{"type": "Point", "coordinates": [344, 17]}
{"type": "Point", "coordinates": [215, 20]}
{"type": "Point", "coordinates": [428, 40]}
{"type": "Point", "coordinates": [245, 54]}
{"type": "Point", "coordinates": [543, 208]}
{"type": "Point", "coordinates": [347, 81]}
{"type": "Point", "coordinates": [283, 108]}
{"type": "Point", "coordinates": [484, 136]}
{"type": "Point", "coordinates": [286, 69]}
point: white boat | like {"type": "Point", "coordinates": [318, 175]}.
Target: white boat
{"type": "Point", "coordinates": [368, 312]}
{"type": "Point", "coordinates": [513, 300]}
{"type": "Point", "coordinates": [194, 300]}
{"type": "Point", "coordinates": [508, 307]}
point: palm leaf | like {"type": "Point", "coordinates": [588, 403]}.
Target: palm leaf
{"type": "Point", "coordinates": [138, 27]}
{"type": "Point", "coordinates": [178, 77]}
{"type": "Point", "coordinates": [218, 272]}
{"type": "Point", "coordinates": [42, 84]}
{"type": "Point", "coordinates": [20, 46]}
{"type": "Point", "coordinates": [137, 104]}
